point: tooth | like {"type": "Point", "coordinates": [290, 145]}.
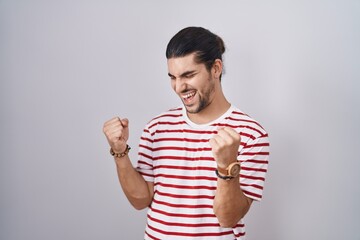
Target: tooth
{"type": "Point", "coordinates": [189, 95]}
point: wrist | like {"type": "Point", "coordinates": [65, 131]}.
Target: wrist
{"type": "Point", "coordinates": [223, 167]}
{"type": "Point", "coordinates": [229, 172]}
{"type": "Point", "coordinates": [120, 154]}
{"type": "Point", "coordinates": [119, 148]}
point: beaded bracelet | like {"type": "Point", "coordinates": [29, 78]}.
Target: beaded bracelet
{"type": "Point", "coordinates": [120, 155]}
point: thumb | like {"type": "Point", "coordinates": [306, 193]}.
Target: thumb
{"type": "Point", "coordinates": [125, 122]}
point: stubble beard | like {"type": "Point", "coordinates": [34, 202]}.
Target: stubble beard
{"type": "Point", "coordinates": [204, 100]}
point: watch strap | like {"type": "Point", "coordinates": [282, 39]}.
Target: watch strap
{"type": "Point", "coordinates": [226, 177]}
{"type": "Point", "coordinates": [222, 171]}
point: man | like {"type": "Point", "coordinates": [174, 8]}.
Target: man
{"type": "Point", "coordinates": [200, 165]}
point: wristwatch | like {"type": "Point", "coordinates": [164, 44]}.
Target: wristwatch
{"type": "Point", "coordinates": [230, 172]}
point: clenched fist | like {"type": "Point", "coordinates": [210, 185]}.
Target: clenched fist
{"type": "Point", "coordinates": [225, 146]}
{"type": "Point", "coordinates": [116, 131]}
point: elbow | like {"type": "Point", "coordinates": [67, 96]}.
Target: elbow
{"type": "Point", "coordinates": [140, 204]}
{"type": "Point", "coordinates": [229, 218]}
{"type": "Point", "coordinates": [226, 220]}
{"type": "Point", "coordinates": [139, 207]}
{"type": "Point", "coordinates": [228, 223]}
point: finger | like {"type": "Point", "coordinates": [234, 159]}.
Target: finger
{"type": "Point", "coordinates": [125, 122]}
{"type": "Point", "coordinates": [225, 136]}
{"type": "Point", "coordinates": [213, 143]}
{"type": "Point", "coordinates": [115, 131]}
{"type": "Point", "coordinates": [232, 133]}
{"type": "Point", "coordinates": [114, 137]}
{"type": "Point", "coordinates": [112, 125]}
{"type": "Point", "coordinates": [229, 133]}
{"type": "Point", "coordinates": [220, 127]}
{"type": "Point", "coordinates": [111, 121]}
{"type": "Point", "coordinates": [219, 140]}
{"type": "Point", "coordinates": [114, 119]}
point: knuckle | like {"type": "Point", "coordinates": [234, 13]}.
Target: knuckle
{"type": "Point", "coordinates": [215, 150]}
{"type": "Point", "coordinates": [106, 132]}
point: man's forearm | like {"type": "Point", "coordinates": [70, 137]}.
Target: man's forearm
{"type": "Point", "coordinates": [136, 189]}
{"type": "Point", "coordinates": [230, 203]}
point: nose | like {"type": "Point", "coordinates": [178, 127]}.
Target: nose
{"type": "Point", "coordinates": [179, 85]}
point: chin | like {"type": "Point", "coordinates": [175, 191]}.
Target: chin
{"type": "Point", "coordinates": [191, 109]}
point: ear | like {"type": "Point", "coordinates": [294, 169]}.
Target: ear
{"type": "Point", "coordinates": [217, 68]}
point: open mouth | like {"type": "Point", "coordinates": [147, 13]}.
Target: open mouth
{"type": "Point", "coordinates": [188, 97]}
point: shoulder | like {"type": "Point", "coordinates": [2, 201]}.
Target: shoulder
{"type": "Point", "coordinates": [246, 123]}
{"type": "Point", "coordinates": [171, 116]}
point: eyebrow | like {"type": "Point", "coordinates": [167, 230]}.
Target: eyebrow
{"type": "Point", "coordinates": [183, 74]}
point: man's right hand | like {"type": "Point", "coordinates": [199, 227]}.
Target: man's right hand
{"type": "Point", "coordinates": [116, 131]}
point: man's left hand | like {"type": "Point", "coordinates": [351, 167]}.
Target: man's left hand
{"type": "Point", "coordinates": [225, 146]}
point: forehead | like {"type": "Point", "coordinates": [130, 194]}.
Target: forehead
{"type": "Point", "coordinates": [179, 65]}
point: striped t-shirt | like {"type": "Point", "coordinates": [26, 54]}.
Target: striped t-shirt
{"type": "Point", "coordinates": [175, 154]}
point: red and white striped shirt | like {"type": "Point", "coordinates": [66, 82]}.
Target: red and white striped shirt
{"type": "Point", "coordinates": [175, 154]}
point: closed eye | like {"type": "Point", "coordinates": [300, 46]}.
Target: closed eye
{"type": "Point", "coordinates": [190, 75]}
{"type": "Point", "coordinates": [187, 75]}
{"type": "Point", "coordinates": [171, 76]}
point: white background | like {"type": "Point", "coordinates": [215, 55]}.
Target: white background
{"type": "Point", "coordinates": [68, 66]}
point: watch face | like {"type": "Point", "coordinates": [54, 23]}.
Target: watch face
{"type": "Point", "coordinates": [234, 170]}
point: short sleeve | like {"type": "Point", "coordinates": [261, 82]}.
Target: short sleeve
{"type": "Point", "coordinates": [145, 159]}
{"type": "Point", "coordinates": [254, 158]}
